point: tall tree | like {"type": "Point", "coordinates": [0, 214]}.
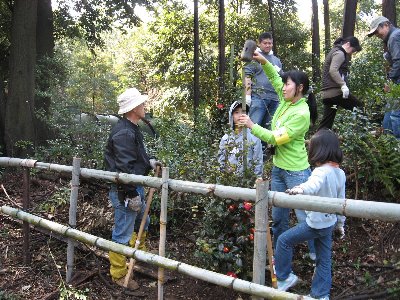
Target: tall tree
{"type": "Point", "coordinates": [327, 27]}
{"type": "Point", "coordinates": [316, 52]}
{"type": "Point", "coordinates": [44, 51]}
{"type": "Point", "coordinates": [389, 10]}
{"type": "Point", "coordinates": [196, 82]}
{"type": "Point", "coordinates": [272, 20]}
{"type": "Point", "coordinates": [221, 48]}
{"type": "Point", "coordinates": [349, 18]}
{"type": "Point", "coordinates": [19, 117]}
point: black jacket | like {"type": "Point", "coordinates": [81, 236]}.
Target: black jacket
{"type": "Point", "coordinates": [125, 153]}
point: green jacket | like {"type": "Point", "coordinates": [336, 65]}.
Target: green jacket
{"type": "Point", "coordinates": [289, 125]}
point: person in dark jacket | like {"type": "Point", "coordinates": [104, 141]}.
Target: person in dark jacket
{"type": "Point", "coordinates": [390, 35]}
{"type": "Point", "coordinates": [335, 91]}
{"type": "Point", "coordinates": [125, 153]}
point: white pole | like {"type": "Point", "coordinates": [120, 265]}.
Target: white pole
{"type": "Point", "coordinates": [163, 229]}
{"type": "Point", "coordinates": [260, 235]}
{"type": "Point", "coordinates": [73, 202]}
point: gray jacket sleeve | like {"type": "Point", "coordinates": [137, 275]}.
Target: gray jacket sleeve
{"type": "Point", "coordinates": [394, 73]}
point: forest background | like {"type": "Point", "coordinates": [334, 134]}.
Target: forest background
{"type": "Point", "coordinates": [60, 61]}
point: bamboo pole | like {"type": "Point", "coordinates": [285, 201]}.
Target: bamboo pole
{"type": "Point", "coordinates": [153, 259]}
{"type": "Point", "coordinates": [383, 211]}
{"type": "Point", "coordinates": [25, 206]}
{"type": "Point", "coordinates": [73, 203]}
{"type": "Point", "coordinates": [260, 238]}
{"type": "Point", "coordinates": [163, 229]}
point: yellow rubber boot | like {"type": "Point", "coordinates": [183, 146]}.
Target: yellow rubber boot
{"type": "Point", "coordinates": [142, 245]}
{"type": "Point", "coordinates": [118, 267]}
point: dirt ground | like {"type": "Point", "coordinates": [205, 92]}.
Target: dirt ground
{"type": "Point", "coordinates": [366, 264]}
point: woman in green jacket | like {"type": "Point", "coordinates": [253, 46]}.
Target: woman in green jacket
{"type": "Point", "coordinates": [289, 126]}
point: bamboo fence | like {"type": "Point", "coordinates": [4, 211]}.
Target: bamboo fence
{"type": "Point", "coordinates": [153, 259]}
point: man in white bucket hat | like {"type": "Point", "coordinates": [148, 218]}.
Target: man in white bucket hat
{"type": "Point", "coordinates": [125, 153]}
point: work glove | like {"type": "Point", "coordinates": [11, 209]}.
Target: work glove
{"type": "Point", "coordinates": [277, 68]}
{"type": "Point", "coordinates": [248, 100]}
{"type": "Point", "coordinates": [154, 163]}
{"type": "Point", "coordinates": [134, 203]}
{"type": "Point", "coordinates": [339, 231]}
{"type": "Point", "coordinates": [345, 91]}
{"type": "Point", "coordinates": [294, 191]}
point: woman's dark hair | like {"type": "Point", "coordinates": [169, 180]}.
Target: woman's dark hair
{"type": "Point", "coordinates": [299, 77]}
{"type": "Point", "coordinates": [324, 147]}
{"type": "Point", "coordinates": [354, 42]}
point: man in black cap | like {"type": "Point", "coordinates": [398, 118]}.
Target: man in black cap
{"type": "Point", "coordinates": [383, 29]}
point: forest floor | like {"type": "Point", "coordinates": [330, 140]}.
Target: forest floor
{"type": "Point", "coordinates": [366, 264]}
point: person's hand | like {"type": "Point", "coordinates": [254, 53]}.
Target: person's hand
{"type": "Point", "coordinates": [294, 190]}
{"type": "Point", "coordinates": [345, 91]}
{"type": "Point", "coordinates": [386, 88]}
{"type": "Point", "coordinates": [339, 231]}
{"type": "Point", "coordinates": [134, 203]}
{"type": "Point", "coordinates": [260, 58]}
{"type": "Point", "coordinates": [154, 163]}
{"type": "Point", "coordinates": [246, 121]}
{"type": "Point", "coordinates": [248, 100]}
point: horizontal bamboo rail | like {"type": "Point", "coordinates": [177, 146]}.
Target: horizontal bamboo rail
{"type": "Point", "coordinates": [348, 207]}
{"type": "Point", "coordinates": [153, 259]}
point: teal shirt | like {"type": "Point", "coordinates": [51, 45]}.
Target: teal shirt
{"type": "Point", "coordinates": [289, 126]}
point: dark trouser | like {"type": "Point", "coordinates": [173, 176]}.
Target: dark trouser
{"type": "Point", "coordinates": [331, 105]}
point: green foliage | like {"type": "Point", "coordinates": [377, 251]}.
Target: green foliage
{"type": "Point", "coordinates": [373, 161]}
{"type": "Point", "coordinates": [59, 198]}
{"type": "Point", "coordinates": [68, 292]}
{"type": "Point", "coordinates": [7, 296]}
{"type": "Point", "coordinates": [225, 242]}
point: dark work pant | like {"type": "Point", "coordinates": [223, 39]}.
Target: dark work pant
{"type": "Point", "coordinates": [331, 105]}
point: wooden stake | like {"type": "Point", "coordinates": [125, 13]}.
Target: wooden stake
{"type": "Point", "coordinates": [132, 261]}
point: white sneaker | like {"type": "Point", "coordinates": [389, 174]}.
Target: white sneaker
{"type": "Point", "coordinates": [284, 285]}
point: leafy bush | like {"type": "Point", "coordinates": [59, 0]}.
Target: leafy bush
{"type": "Point", "coordinates": [372, 162]}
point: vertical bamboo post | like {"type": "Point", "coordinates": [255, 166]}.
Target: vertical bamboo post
{"type": "Point", "coordinates": [260, 233]}
{"type": "Point", "coordinates": [73, 202]}
{"type": "Point", "coordinates": [244, 127]}
{"type": "Point", "coordinates": [25, 225]}
{"type": "Point", "coordinates": [163, 229]}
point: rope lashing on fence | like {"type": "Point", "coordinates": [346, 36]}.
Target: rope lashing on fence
{"type": "Point", "coordinates": [153, 259]}
{"type": "Point", "coordinates": [347, 207]}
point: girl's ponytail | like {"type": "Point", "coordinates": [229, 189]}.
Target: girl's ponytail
{"type": "Point", "coordinates": [312, 106]}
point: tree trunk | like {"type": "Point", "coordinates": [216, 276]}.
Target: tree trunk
{"type": "Point", "coordinates": [327, 26]}
{"type": "Point", "coordinates": [389, 10]}
{"type": "Point", "coordinates": [316, 53]}
{"type": "Point", "coordinates": [19, 122]}
{"type": "Point", "coordinates": [221, 47]}
{"type": "Point", "coordinates": [45, 50]}
{"type": "Point", "coordinates": [2, 117]}
{"type": "Point", "coordinates": [196, 82]}
{"type": "Point", "coordinates": [349, 18]}
{"type": "Point", "coordinates": [271, 18]}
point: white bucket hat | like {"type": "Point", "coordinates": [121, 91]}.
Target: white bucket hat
{"type": "Point", "coordinates": [130, 99]}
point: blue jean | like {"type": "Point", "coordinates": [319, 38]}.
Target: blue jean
{"type": "Point", "coordinates": [391, 123]}
{"type": "Point", "coordinates": [281, 180]}
{"type": "Point", "coordinates": [322, 279]}
{"type": "Point", "coordinates": [125, 219]}
{"type": "Point", "coordinates": [262, 110]}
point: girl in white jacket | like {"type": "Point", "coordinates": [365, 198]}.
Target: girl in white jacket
{"type": "Point", "coordinates": [327, 180]}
